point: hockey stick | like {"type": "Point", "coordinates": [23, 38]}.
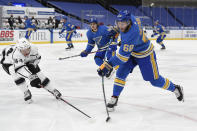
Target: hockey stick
{"type": "Point", "coordinates": [60, 98]}
{"type": "Point", "coordinates": [75, 56]}
{"type": "Point", "coordinates": [102, 49]}
{"type": "Point", "coordinates": [108, 117]}
{"type": "Point", "coordinates": [73, 107]}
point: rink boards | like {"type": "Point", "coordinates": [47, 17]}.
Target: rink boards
{"type": "Point", "coordinates": [52, 36]}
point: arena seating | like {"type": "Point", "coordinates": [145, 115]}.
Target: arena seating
{"type": "Point", "coordinates": [173, 17]}
{"type": "Point", "coordinates": [32, 3]}
{"type": "Point", "coordinates": [186, 15]}
{"type": "Point", "coordinates": [142, 12]}
{"type": "Point", "coordinates": [2, 2]}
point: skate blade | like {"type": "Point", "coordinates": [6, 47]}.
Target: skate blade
{"type": "Point", "coordinates": [67, 49]}
{"type": "Point", "coordinates": [183, 100]}
{"type": "Point", "coordinates": [111, 109]}
{"type": "Point", "coordinates": [29, 101]}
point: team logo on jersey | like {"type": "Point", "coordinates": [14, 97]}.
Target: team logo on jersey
{"type": "Point", "coordinates": [97, 39]}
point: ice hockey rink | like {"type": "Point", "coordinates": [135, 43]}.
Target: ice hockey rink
{"type": "Point", "coordinates": [141, 107]}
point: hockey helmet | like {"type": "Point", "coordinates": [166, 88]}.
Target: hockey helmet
{"type": "Point", "coordinates": [93, 20]}
{"type": "Point", "coordinates": [23, 44]}
{"type": "Point", "coordinates": [123, 16]}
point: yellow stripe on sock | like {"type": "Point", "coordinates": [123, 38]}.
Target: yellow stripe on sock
{"type": "Point", "coordinates": [118, 81]}
{"type": "Point", "coordinates": [69, 35]}
{"type": "Point", "coordinates": [167, 84]}
{"type": "Point", "coordinates": [154, 66]}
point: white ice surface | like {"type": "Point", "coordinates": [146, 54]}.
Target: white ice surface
{"type": "Point", "coordinates": [141, 107]}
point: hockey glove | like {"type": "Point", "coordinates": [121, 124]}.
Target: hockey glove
{"type": "Point", "coordinates": [35, 81]}
{"type": "Point", "coordinates": [84, 53]}
{"type": "Point", "coordinates": [105, 69]}
{"type": "Point", "coordinates": [34, 69]}
{"type": "Point", "coordinates": [35, 29]}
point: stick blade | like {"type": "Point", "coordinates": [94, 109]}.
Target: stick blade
{"type": "Point", "coordinates": [108, 118]}
{"type": "Point", "coordinates": [61, 58]}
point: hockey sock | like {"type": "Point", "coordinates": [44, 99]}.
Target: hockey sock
{"type": "Point", "coordinates": [163, 83]}
{"type": "Point", "coordinates": [118, 86]}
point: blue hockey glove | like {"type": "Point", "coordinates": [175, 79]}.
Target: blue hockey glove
{"type": "Point", "coordinates": [105, 69]}
{"type": "Point", "coordinates": [35, 29]}
{"type": "Point", "coordinates": [84, 53]}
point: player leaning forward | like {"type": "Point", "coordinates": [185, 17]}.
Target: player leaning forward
{"type": "Point", "coordinates": [21, 62]}
{"type": "Point", "coordinates": [135, 50]}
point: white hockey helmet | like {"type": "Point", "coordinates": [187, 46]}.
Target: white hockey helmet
{"type": "Point", "coordinates": [23, 44]}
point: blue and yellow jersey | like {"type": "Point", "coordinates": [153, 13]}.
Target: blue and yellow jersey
{"type": "Point", "coordinates": [29, 25]}
{"type": "Point", "coordinates": [159, 29]}
{"type": "Point", "coordinates": [68, 27]}
{"type": "Point", "coordinates": [133, 43]}
{"type": "Point", "coordinates": [100, 38]}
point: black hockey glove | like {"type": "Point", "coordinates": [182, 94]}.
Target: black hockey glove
{"type": "Point", "coordinates": [105, 69]}
{"type": "Point", "coordinates": [35, 81]}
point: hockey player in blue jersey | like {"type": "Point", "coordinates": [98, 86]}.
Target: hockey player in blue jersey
{"type": "Point", "coordinates": [135, 50]}
{"type": "Point", "coordinates": [29, 26]}
{"type": "Point", "coordinates": [70, 29]}
{"type": "Point", "coordinates": [159, 30]}
{"type": "Point", "coordinates": [104, 38]}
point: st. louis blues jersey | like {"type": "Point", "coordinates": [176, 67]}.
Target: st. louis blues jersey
{"type": "Point", "coordinates": [28, 24]}
{"type": "Point", "coordinates": [68, 27]}
{"type": "Point", "coordinates": [133, 43]}
{"type": "Point", "coordinates": [101, 38]}
{"type": "Point", "coordinates": [159, 29]}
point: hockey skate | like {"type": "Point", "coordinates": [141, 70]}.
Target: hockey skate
{"type": "Point", "coordinates": [69, 47]}
{"type": "Point", "coordinates": [27, 97]}
{"type": "Point", "coordinates": [112, 103]}
{"type": "Point", "coordinates": [179, 93]}
{"type": "Point", "coordinates": [163, 47]}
